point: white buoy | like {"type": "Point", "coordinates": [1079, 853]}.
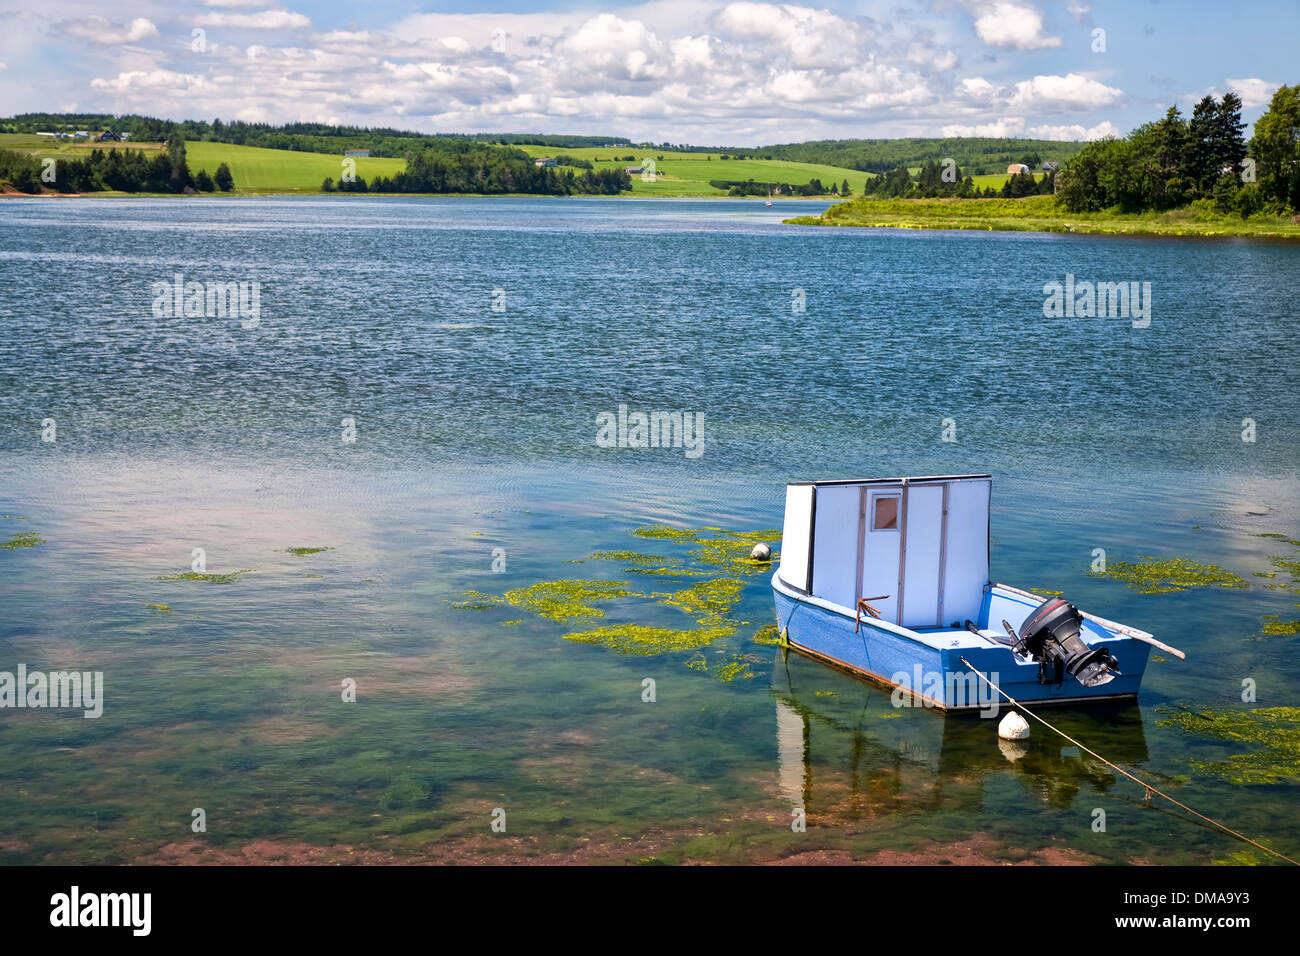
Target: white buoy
{"type": "Point", "coordinates": [1013, 727]}
{"type": "Point", "coordinates": [761, 552]}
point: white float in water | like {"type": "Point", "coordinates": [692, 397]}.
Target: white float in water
{"type": "Point", "coordinates": [761, 552]}
{"type": "Point", "coordinates": [1013, 727]}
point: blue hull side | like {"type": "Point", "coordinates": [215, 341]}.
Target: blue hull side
{"type": "Point", "coordinates": [936, 675]}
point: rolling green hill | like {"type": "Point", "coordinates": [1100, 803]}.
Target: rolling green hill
{"type": "Point", "coordinates": [688, 174]}
{"type": "Point", "coordinates": [259, 170]}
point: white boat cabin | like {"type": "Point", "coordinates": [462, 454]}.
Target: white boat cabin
{"type": "Point", "coordinates": [921, 546]}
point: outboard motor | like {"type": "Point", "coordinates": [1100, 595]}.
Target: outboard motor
{"type": "Point", "coordinates": [1050, 635]}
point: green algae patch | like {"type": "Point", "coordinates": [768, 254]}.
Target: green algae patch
{"type": "Point", "coordinates": [709, 601]}
{"type": "Point", "coordinates": [212, 577]}
{"type": "Point", "coordinates": [665, 532]}
{"type": "Point", "coordinates": [25, 539]}
{"type": "Point", "coordinates": [1153, 576]}
{"type": "Point", "coordinates": [1275, 628]}
{"type": "Point", "coordinates": [652, 565]}
{"type": "Point", "coordinates": [303, 552]}
{"type": "Point", "coordinates": [768, 635]}
{"type": "Point", "coordinates": [733, 669]}
{"type": "Point", "coordinates": [1278, 537]}
{"type": "Point", "coordinates": [568, 599]}
{"type": "Point", "coordinates": [668, 571]}
{"type": "Point", "coordinates": [1240, 858]}
{"type": "Point", "coordinates": [1273, 733]}
{"type": "Point", "coordinates": [642, 641]}
{"type": "Point", "coordinates": [628, 557]}
{"type": "Point", "coordinates": [564, 600]}
{"type": "Point", "coordinates": [1046, 593]}
{"type": "Point", "coordinates": [159, 607]}
{"type": "Point", "coordinates": [729, 552]}
{"type": "Point", "coordinates": [1292, 568]}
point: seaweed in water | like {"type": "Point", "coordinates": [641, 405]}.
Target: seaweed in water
{"type": "Point", "coordinates": [25, 539]}
{"type": "Point", "coordinates": [1153, 576]}
{"type": "Point", "coordinates": [709, 601]}
{"type": "Point", "coordinates": [645, 641]}
{"type": "Point", "coordinates": [1272, 732]}
{"type": "Point", "coordinates": [211, 577]}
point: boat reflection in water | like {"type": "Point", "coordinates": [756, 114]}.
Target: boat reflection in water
{"type": "Point", "coordinates": [844, 748]}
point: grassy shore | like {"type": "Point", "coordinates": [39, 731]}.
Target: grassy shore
{"type": "Point", "coordinates": [1043, 214]}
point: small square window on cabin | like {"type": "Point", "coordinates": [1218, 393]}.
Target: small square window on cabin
{"type": "Point", "coordinates": [885, 515]}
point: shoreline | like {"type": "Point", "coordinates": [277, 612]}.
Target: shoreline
{"type": "Point", "coordinates": [1040, 214]}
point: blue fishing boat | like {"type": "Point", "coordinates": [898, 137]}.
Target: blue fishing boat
{"type": "Point", "coordinates": [888, 578]}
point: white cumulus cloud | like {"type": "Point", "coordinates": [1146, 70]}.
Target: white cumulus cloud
{"type": "Point", "coordinates": [1071, 92]}
{"type": "Point", "coordinates": [1011, 24]}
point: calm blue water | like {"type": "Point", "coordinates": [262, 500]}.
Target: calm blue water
{"type": "Point", "coordinates": [476, 430]}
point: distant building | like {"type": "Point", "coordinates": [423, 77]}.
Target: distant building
{"type": "Point", "coordinates": [123, 136]}
{"type": "Point", "coordinates": [633, 170]}
{"type": "Point", "coordinates": [81, 134]}
{"type": "Point", "coordinates": [1051, 166]}
{"type": "Point", "coordinates": [544, 163]}
{"type": "Point", "coordinates": [1017, 168]}
{"type": "Point", "coordinates": [356, 152]}
{"type": "Point", "coordinates": [108, 136]}
{"type": "Point", "coordinates": [49, 134]}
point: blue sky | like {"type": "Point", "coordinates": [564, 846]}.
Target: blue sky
{"type": "Point", "coordinates": [698, 71]}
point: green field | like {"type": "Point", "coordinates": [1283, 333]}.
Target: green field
{"type": "Point", "coordinates": [259, 170]}
{"type": "Point", "coordinates": [255, 170]}
{"type": "Point", "coordinates": [1043, 214]}
{"type": "Point", "coordinates": [688, 174]}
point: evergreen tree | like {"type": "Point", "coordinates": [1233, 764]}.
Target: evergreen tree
{"type": "Point", "coordinates": [1227, 145]}
{"type": "Point", "coordinates": [222, 178]}
{"type": "Point", "coordinates": [1199, 166]}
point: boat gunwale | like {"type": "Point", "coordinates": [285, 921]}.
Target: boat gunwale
{"type": "Point", "coordinates": [1117, 631]}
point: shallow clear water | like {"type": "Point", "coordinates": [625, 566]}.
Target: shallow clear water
{"type": "Point", "coordinates": [476, 430]}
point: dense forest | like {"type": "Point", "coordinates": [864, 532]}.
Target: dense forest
{"type": "Point", "coordinates": [1176, 161]}
{"type": "Point", "coordinates": [127, 170]}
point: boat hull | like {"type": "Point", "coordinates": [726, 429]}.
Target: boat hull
{"type": "Point", "coordinates": [926, 673]}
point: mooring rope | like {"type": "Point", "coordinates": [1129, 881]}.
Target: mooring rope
{"type": "Point", "coordinates": [1149, 789]}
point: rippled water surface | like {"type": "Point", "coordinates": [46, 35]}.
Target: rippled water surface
{"type": "Point", "coordinates": [476, 442]}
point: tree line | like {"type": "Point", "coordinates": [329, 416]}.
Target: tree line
{"type": "Point", "coordinates": [486, 170]}
{"type": "Point", "coordinates": [1177, 161]}
{"type": "Point", "coordinates": [126, 170]}
{"type": "Point", "coordinates": [750, 187]}
{"type": "Point", "coordinates": [934, 180]}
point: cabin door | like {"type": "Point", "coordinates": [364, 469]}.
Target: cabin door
{"type": "Point", "coordinates": [924, 512]}
{"type": "Point", "coordinates": [880, 518]}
